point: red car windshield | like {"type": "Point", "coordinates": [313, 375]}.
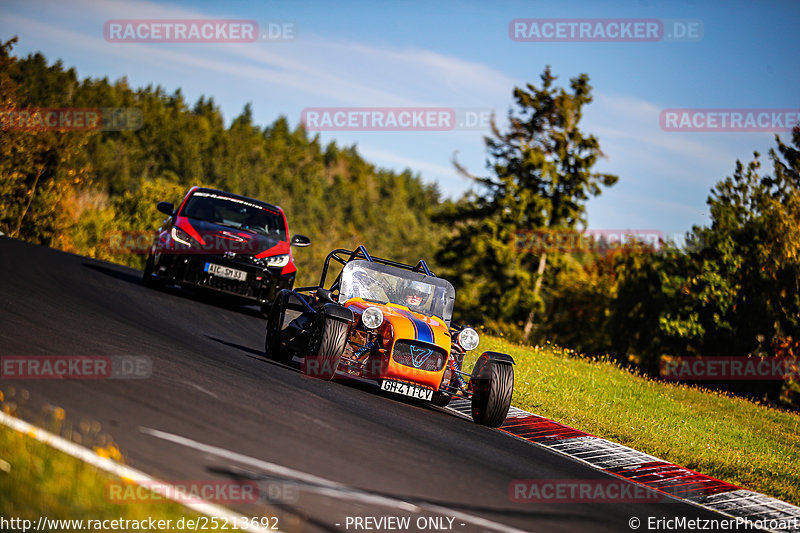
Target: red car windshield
{"type": "Point", "coordinates": [235, 213]}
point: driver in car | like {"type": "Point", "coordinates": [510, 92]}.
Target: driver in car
{"type": "Point", "coordinates": [415, 294]}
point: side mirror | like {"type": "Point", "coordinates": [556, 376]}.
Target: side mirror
{"type": "Point", "coordinates": [166, 208]}
{"type": "Point", "coordinates": [301, 241]}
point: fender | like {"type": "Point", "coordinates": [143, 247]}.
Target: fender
{"type": "Point", "coordinates": [337, 311]}
{"type": "Point", "coordinates": [295, 301]}
{"type": "Point", "coordinates": [481, 369]}
{"type": "Point", "coordinates": [499, 357]}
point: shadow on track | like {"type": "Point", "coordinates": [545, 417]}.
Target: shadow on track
{"type": "Point", "coordinates": [245, 349]}
{"type": "Point", "coordinates": [258, 355]}
{"type": "Point", "coordinates": [284, 497]}
{"type": "Point", "coordinates": [197, 294]}
{"type": "Point", "coordinates": [130, 277]}
{"type": "Point", "coordinates": [348, 381]}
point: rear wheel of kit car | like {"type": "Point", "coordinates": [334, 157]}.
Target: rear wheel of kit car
{"type": "Point", "coordinates": [492, 388]}
{"type": "Point", "coordinates": [273, 347]}
{"type": "Point", "coordinates": [326, 348]}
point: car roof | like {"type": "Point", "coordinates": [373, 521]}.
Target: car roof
{"type": "Point", "coordinates": [236, 196]}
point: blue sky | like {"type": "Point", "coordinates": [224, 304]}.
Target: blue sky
{"type": "Point", "coordinates": [459, 54]}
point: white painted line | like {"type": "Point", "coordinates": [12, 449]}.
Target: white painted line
{"type": "Point", "coordinates": [749, 504]}
{"type": "Point", "coordinates": [127, 473]}
{"type": "Point", "coordinates": [515, 412]}
{"type": "Point", "coordinates": [329, 487]}
{"type": "Point", "coordinates": [198, 387]}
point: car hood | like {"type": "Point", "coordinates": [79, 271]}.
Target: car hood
{"type": "Point", "coordinates": [407, 324]}
{"type": "Point", "coordinates": [218, 239]}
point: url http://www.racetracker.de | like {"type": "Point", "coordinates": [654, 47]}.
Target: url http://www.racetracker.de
{"type": "Point", "coordinates": [201, 523]}
{"type": "Point", "coordinates": [682, 523]}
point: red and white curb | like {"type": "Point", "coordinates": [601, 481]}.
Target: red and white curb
{"type": "Point", "coordinates": [638, 467]}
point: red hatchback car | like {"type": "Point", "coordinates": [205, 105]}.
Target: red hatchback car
{"type": "Point", "coordinates": [224, 242]}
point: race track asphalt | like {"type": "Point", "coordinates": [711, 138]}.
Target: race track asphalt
{"type": "Point", "coordinates": [215, 409]}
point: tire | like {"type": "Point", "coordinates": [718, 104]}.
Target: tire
{"type": "Point", "coordinates": [491, 392]}
{"type": "Point", "coordinates": [326, 348]}
{"type": "Point", "coordinates": [440, 398]}
{"type": "Point", "coordinates": [148, 279]}
{"type": "Point", "coordinates": [273, 348]}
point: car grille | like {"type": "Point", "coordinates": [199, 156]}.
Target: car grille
{"type": "Point", "coordinates": [419, 355]}
{"type": "Point", "coordinates": [193, 273]}
{"type": "Point", "coordinates": [236, 287]}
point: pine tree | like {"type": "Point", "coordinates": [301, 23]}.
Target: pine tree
{"type": "Point", "coordinates": [541, 179]}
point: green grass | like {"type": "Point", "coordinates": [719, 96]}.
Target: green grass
{"type": "Point", "coordinates": [37, 480]}
{"type": "Point", "coordinates": [729, 438]}
{"type": "Point", "coordinates": [738, 441]}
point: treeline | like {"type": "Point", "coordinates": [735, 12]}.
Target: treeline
{"type": "Point", "coordinates": [72, 189]}
{"type": "Point", "coordinates": [733, 292]}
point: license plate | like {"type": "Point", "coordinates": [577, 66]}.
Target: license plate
{"type": "Point", "coordinates": [406, 389]}
{"type": "Point", "coordinates": [226, 272]}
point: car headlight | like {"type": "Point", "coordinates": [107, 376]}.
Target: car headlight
{"type": "Point", "coordinates": [372, 317]}
{"type": "Point", "coordinates": [468, 339]}
{"type": "Point", "coordinates": [276, 260]}
{"type": "Point", "coordinates": [178, 235]}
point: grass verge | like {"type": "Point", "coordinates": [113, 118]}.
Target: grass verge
{"type": "Point", "coordinates": [729, 438]}
{"type": "Point", "coordinates": [37, 480]}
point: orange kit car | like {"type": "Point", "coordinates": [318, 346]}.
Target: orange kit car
{"type": "Point", "coordinates": [390, 322]}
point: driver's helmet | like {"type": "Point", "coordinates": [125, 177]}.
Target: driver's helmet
{"type": "Point", "coordinates": [416, 293]}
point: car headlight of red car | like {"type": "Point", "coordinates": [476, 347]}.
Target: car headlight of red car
{"type": "Point", "coordinates": [468, 339]}
{"type": "Point", "coordinates": [275, 261]}
{"type": "Point", "coordinates": [180, 236]}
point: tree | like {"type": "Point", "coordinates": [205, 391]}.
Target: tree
{"type": "Point", "coordinates": [736, 292]}
{"type": "Point", "coordinates": [39, 167]}
{"type": "Point", "coordinates": [741, 289]}
{"type": "Point", "coordinates": [542, 178]}
{"type": "Point", "coordinates": [95, 185]}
